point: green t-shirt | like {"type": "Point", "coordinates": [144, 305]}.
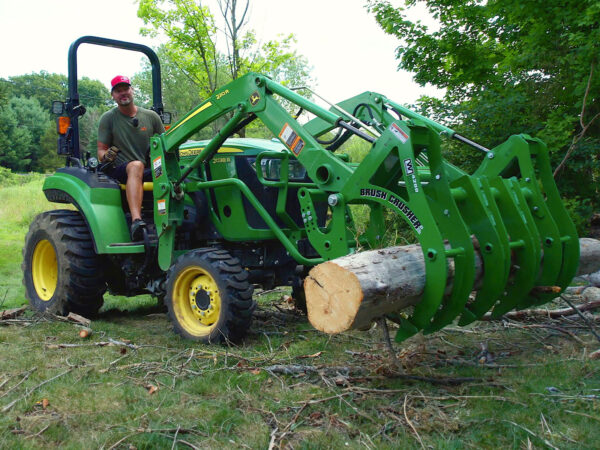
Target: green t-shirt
{"type": "Point", "coordinates": [119, 130]}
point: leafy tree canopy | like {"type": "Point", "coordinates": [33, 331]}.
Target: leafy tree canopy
{"type": "Point", "coordinates": [510, 66]}
{"type": "Point", "coordinates": [191, 49]}
{"type": "Point", "coordinates": [48, 87]}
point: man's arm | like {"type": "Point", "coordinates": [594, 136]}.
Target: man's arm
{"type": "Point", "coordinates": [102, 149]}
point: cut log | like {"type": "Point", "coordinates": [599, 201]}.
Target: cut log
{"type": "Point", "coordinates": [12, 313]}
{"type": "Point", "coordinates": [352, 291]}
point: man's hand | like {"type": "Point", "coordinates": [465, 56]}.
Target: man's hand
{"type": "Point", "coordinates": [110, 155]}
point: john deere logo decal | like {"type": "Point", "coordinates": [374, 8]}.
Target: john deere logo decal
{"type": "Point", "coordinates": [254, 98]}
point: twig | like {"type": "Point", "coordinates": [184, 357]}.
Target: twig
{"type": "Point", "coordinates": [582, 414]}
{"type": "Point", "coordinates": [124, 344]}
{"type": "Point", "coordinates": [175, 438]}
{"type": "Point", "coordinates": [30, 391]}
{"type": "Point", "coordinates": [326, 399]}
{"type": "Point", "coordinates": [410, 423]}
{"type": "Point", "coordinates": [435, 380]}
{"type": "Point", "coordinates": [116, 444]}
{"type": "Point", "coordinates": [532, 434]}
{"type": "Point", "coordinates": [545, 313]}
{"type": "Point", "coordinates": [469, 397]}
{"type": "Point", "coordinates": [588, 323]}
{"type": "Point", "coordinates": [273, 438]}
{"type": "Point", "coordinates": [39, 433]}
{"type": "Point", "coordinates": [27, 374]}
{"type": "Point", "coordinates": [584, 127]}
{"type": "Point", "coordinates": [387, 340]}
{"type": "Point", "coordinates": [295, 369]}
{"type": "Point", "coordinates": [293, 421]}
{"type": "Point", "coordinates": [552, 327]}
{"type": "Point", "coordinates": [190, 445]}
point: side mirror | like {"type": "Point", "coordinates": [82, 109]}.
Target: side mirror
{"type": "Point", "coordinates": [58, 107]}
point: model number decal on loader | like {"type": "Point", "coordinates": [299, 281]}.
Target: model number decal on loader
{"type": "Point", "coordinates": [410, 170]}
{"type": "Point", "coordinates": [220, 95]}
{"type": "Point", "coordinates": [396, 202]}
{"type": "Point", "coordinates": [290, 138]}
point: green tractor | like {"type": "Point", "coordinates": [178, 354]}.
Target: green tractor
{"type": "Point", "coordinates": [228, 213]}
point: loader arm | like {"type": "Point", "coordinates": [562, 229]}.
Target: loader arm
{"type": "Point", "coordinates": [509, 208]}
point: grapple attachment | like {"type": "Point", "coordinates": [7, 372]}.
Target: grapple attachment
{"type": "Point", "coordinates": [509, 210]}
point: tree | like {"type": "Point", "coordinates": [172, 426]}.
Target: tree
{"type": "Point", "coordinates": [24, 122]}
{"type": "Point", "coordinates": [48, 87]}
{"type": "Point", "coordinates": [192, 44]}
{"type": "Point", "coordinates": [510, 66]}
{"type": "Point", "coordinates": [180, 93]}
{"type": "Point", "coordinates": [191, 53]}
{"type": "Point", "coordinates": [14, 141]}
{"type": "Point", "coordinates": [191, 31]}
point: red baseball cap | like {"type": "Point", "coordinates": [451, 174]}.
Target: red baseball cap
{"type": "Point", "coordinates": [119, 79]}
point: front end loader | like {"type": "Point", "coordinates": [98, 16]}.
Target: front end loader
{"type": "Point", "coordinates": [227, 213]}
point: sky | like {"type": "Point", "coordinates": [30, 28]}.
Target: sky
{"type": "Point", "coordinates": [343, 44]}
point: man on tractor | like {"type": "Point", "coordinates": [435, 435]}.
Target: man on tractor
{"type": "Point", "coordinates": [123, 145]}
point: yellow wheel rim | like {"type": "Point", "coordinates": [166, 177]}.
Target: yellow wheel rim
{"type": "Point", "coordinates": [196, 301]}
{"type": "Point", "coordinates": [44, 270]}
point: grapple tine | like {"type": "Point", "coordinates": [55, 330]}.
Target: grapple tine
{"type": "Point", "coordinates": [568, 240]}
{"type": "Point", "coordinates": [479, 210]}
{"type": "Point", "coordinates": [524, 243]}
{"type": "Point", "coordinates": [457, 235]}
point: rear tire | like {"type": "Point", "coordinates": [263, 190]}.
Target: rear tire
{"type": "Point", "coordinates": [209, 298]}
{"type": "Point", "coordinates": [61, 271]}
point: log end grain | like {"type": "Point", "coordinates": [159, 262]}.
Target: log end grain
{"type": "Point", "coordinates": [333, 297]}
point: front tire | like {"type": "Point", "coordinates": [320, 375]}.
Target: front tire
{"type": "Point", "coordinates": [209, 298]}
{"type": "Point", "coordinates": [61, 271]}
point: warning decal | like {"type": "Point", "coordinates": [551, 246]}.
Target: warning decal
{"type": "Point", "coordinates": [162, 207]}
{"type": "Point", "coordinates": [399, 133]}
{"type": "Point", "coordinates": [157, 167]}
{"type": "Point", "coordinates": [291, 139]}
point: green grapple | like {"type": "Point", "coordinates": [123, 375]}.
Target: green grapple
{"type": "Point", "coordinates": [272, 209]}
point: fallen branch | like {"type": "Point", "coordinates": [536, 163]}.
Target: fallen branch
{"type": "Point", "coordinates": [295, 369]}
{"type": "Point", "coordinates": [109, 343]}
{"type": "Point", "coordinates": [30, 391]}
{"type": "Point", "coordinates": [587, 322]}
{"type": "Point", "coordinates": [551, 327]}
{"type": "Point", "coordinates": [79, 319]}
{"type": "Point", "coordinates": [545, 441]}
{"type": "Point", "coordinates": [410, 423]}
{"type": "Point", "coordinates": [12, 313]}
{"type": "Point", "coordinates": [27, 374]}
{"type": "Point", "coordinates": [545, 313]}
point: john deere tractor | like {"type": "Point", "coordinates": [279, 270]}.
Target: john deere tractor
{"type": "Point", "coordinates": [228, 213]}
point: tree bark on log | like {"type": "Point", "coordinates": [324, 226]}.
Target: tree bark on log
{"type": "Point", "coordinates": [352, 291]}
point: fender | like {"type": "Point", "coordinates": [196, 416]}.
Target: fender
{"type": "Point", "coordinates": [98, 198]}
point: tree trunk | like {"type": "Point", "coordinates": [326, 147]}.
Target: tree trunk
{"type": "Point", "coordinates": [352, 291]}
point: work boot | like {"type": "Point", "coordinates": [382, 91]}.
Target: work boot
{"type": "Point", "coordinates": [137, 232]}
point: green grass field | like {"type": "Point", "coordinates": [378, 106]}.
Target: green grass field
{"type": "Point", "coordinates": [135, 384]}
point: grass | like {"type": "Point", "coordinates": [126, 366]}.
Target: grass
{"type": "Point", "coordinates": [135, 384]}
